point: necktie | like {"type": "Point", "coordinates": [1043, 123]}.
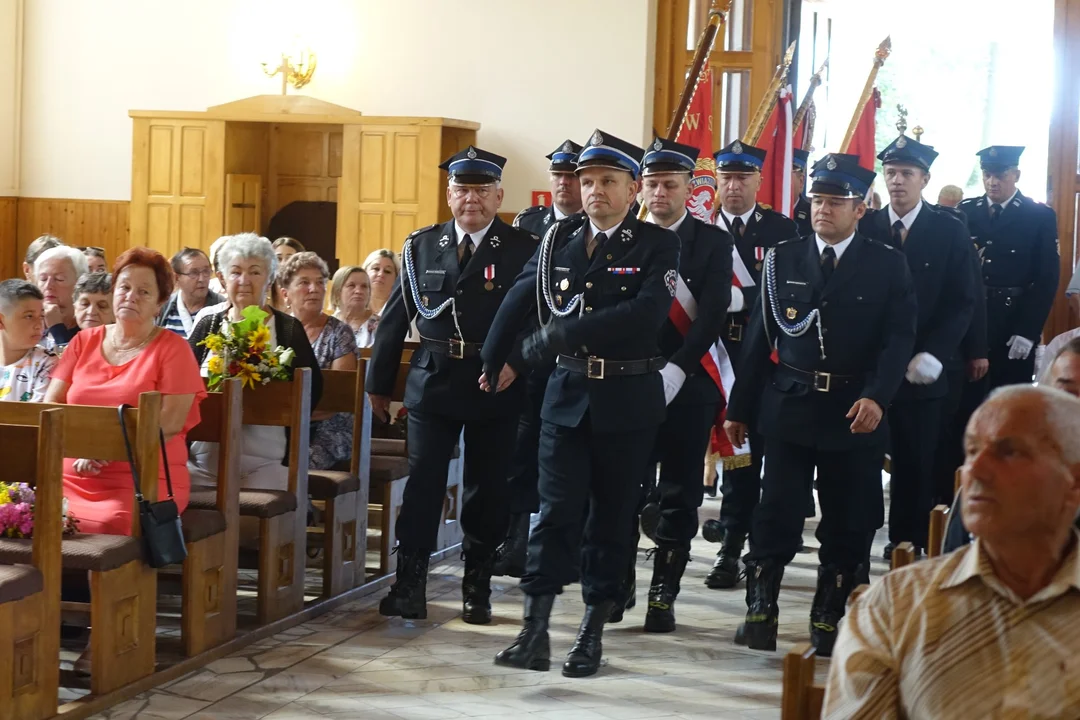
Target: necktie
{"type": "Point", "coordinates": [898, 234]}
{"type": "Point", "coordinates": [828, 262]}
{"type": "Point", "coordinates": [597, 243]}
{"type": "Point", "coordinates": [995, 212]}
{"type": "Point", "coordinates": [738, 226]}
{"type": "Point", "coordinates": [466, 253]}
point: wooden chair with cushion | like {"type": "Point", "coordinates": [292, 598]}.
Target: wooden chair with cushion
{"type": "Point", "coordinates": [30, 593]}
{"type": "Point", "coordinates": [208, 610]}
{"type": "Point", "coordinates": [123, 589]}
{"type": "Point", "coordinates": [801, 699]}
{"type": "Point", "coordinates": [344, 493]}
{"type": "Point", "coordinates": [281, 514]}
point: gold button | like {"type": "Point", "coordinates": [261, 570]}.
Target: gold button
{"type": "Point", "coordinates": [623, 288]}
{"type": "Point", "coordinates": [588, 286]}
{"type": "Point", "coordinates": [588, 308]}
{"type": "Point", "coordinates": [609, 257]}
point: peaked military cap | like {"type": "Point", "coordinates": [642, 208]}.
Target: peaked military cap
{"type": "Point", "coordinates": [740, 157]}
{"type": "Point", "coordinates": [473, 166]}
{"type": "Point", "coordinates": [606, 150]}
{"type": "Point", "coordinates": [908, 152]}
{"type": "Point", "coordinates": [999, 157]}
{"type": "Point", "coordinates": [841, 176]}
{"type": "Point", "coordinates": [668, 156]}
{"type": "Point", "coordinates": [800, 158]}
{"type": "Point", "coordinates": [564, 158]}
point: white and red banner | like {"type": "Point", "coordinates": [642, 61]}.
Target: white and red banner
{"type": "Point", "coordinates": [697, 131]}
{"type": "Point", "coordinates": [776, 140]}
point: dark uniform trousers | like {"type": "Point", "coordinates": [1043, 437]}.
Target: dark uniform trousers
{"type": "Point", "coordinates": [596, 434]}
{"type": "Point", "coordinates": [681, 443]}
{"type": "Point", "coordinates": [524, 496]}
{"type": "Point", "coordinates": [442, 393]}
{"type": "Point", "coordinates": [741, 487]}
{"type": "Point", "coordinates": [939, 254]}
{"type": "Point", "coordinates": [868, 312]}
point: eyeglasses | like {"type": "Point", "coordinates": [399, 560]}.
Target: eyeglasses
{"type": "Point", "coordinates": [482, 191]}
{"type": "Point", "coordinates": [197, 274]}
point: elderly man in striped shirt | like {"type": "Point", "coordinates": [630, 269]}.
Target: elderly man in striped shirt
{"type": "Point", "coordinates": [992, 630]}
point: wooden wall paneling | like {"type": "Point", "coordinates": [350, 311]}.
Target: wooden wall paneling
{"type": "Point", "coordinates": [247, 152]}
{"type": "Point", "coordinates": [100, 223]}
{"type": "Point", "coordinates": [243, 203]}
{"type": "Point", "coordinates": [305, 164]}
{"type": "Point", "coordinates": [10, 258]}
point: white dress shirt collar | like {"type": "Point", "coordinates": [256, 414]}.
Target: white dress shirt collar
{"type": "Point", "coordinates": [477, 237]}
{"type": "Point", "coordinates": [838, 248]}
{"type": "Point", "coordinates": [1006, 203]}
{"type": "Point", "coordinates": [674, 227]}
{"type": "Point", "coordinates": [559, 214]}
{"type": "Point", "coordinates": [610, 232]}
{"type": "Point", "coordinates": [745, 216]}
{"type": "Point", "coordinates": [908, 219]}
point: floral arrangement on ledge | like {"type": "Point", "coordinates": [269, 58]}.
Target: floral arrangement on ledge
{"type": "Point", "coordinates": [242, 349]}
{"type": "Point", "coordinates": [17, 512]}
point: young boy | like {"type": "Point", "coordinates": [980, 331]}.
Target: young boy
{"type": "Point", "coordinates": [26, 368]}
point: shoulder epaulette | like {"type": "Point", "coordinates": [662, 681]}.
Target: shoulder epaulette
{"type": "Point", "coordinates": [969, 201]}
{"type": "Point", "coordinates": [528, 211]}
{"type": "Point", "coordinates": [414, 233]}
{"type": "Point", "coordinates": [789, 241]}
{"type": "Point", "coordinates": [878, 243]}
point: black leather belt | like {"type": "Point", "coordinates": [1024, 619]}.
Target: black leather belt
{"type": "Point", "coordinates": [820, 381]}
{"type": "Point", "coordinates": [598, 368]}
{"type": "Point", "coordinates": [734, 329]}
{"type": "Point", "coordinates": [1009, 292]}
{"type": "Point", "coordinates": [455, 349]}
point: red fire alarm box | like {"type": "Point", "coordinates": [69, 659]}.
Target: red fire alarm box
{"type": "Point", "coordinates": [541, 197]}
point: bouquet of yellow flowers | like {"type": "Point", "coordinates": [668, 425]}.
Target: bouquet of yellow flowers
{"type": "Point", "coordinates": [242, 349]}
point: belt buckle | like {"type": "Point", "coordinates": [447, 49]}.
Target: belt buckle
{"type": "Point", "coordinates": [591, 363]}
{"type": "Point", "coordinates": [457, 349]}
{"type": "Point", "coordinates": [734, 332]}
{"type": "Point", "coordinates": [817, 381]}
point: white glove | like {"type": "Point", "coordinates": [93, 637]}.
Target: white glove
{"type": "Point", "coordinates": [1019, 347]}
{"type": "Point", "coordinates": [674, 377]}
{"type": "Point", "coordinates": [923, 369]}
{"type": "Point", "coordinates": [738, 302]}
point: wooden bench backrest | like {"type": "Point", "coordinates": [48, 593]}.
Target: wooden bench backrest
{"type": "Point", "coordinates": [903, 554]}
{"type": "Point", "coordinates": [221, 421]}
{"type": "Point", "coordinates": [94, 432]}
{"type": "Point", "coordinates": [285, 404]}
{"type": "Point", "coordinates": [939, 516]}
{"type": "Point", "coordinates": [801, 699]}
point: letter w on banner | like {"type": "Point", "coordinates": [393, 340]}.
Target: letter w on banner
{"type": "Point", "coordinates": [697, 131]}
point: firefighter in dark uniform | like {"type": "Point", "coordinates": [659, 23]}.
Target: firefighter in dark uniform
{"type": "Point", "coordinates": [454, 277]}
{"type": "Point", "coordinates": [755, 229]}
{"type": "Point", "coordinates": [603, 297]}
{"type": "Point", "coordinates": [523, 498]}
{"type": "Point", "coordinates": [802, 203]}
{"type": "Point", "coordinates": [938, 252]}
{"type": "Point", "coordinates": [1017, 240]}
{"type": "Point", "coordinates": [685, 340]}
{"type": "Point", "coordinates": [840, 311]}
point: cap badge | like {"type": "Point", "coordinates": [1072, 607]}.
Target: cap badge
{"type": "Point", "coordinates": [993, 152]}
{"type": "Point", "coordinates": [737, 148]}
{"type": "Point", "coordinates": [471, 154]}
{"type": "Point", "coordinates": [901, 142]}
{"type": "Point", "coordinates": [566, 147]}
{"type": "Point", "coordinates": [596, 139]}
{"type": "Point", "coordinates": [658, 146]}
{"type": "Point", "coordinates": [831, 165]}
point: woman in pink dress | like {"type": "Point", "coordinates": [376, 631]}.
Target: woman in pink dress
{"type": "Point", "coordinates": [111, 365]}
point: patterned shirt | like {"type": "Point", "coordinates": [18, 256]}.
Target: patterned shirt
{"type": "Point", "coordinates": [27, 379]}
{"type": "Point", "coordinates": [331, 441]}
{"type": "Point", "coordinates": [946, 639]}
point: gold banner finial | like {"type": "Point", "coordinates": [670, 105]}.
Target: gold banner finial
{"type": "Point", "coordinates": [918, 131]}
{"type": "Point", "coordinates": [757, 122]}
{"type": "Point", "coordinates": [901, 123]}
{"type": "Point", "coordinates": [880, 56]}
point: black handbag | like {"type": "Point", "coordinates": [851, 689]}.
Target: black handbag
{"type": "Point", "coordinates": [160, 521]}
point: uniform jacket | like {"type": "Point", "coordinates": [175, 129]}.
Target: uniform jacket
{"type": "Point", "coordinates": [627, 289]}
{"type": "Point", "coordinates": [536, 219]}
{"type": "Point", "coordinates": [705, 265]}
{"type": "Point", "coordinates": [973, 346]}
{"type": "Point", "coordinates": [938, 253]}
{"type": "Point", "coordinates": [436, 382]}
{"type": "Point", "coordinates": [802, 216]}
{"type": "Point", "coordinates": [1019, 250]}
{"type": "Point", "coordinates": [868, 314]}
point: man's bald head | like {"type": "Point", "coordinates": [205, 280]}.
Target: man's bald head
{"type": "Point", "coordinates": [1021, 474]}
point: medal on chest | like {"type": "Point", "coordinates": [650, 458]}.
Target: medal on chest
{"type": "Point", "coordinates": [759, 256]}
{"type": "Point", "coordinates": [489, 276]}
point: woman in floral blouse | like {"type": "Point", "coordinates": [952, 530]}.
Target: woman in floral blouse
{"type": "Point", "coordinates": [27, 367]}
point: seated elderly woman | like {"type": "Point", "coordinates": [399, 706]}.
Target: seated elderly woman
{"type": "Point", "coordinates": [350, 301]}
{"type": "Point", "coordinates": [302, 279]}
{"type": "Point", "coordinates": [247, 264]}
{"type": "Point", "coordinates": [93, 300]}
{"type": "Point", "coordinates": [993, 629]}
{"type": "Point", "coordinates": [26, 366]}
{"type": "Point", "coordinates": [55, 273]}
{"type": "Point", "coordinates": [95, 259]}
{"type": "Point", "coordinates": [112, 365]}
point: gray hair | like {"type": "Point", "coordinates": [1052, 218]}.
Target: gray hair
{"type": "Point", "coordinates": [43, 243]}
{"type": "Point", "coordinates": [98, 283]}
{"type": "Point", "coordinates": [247, 245]}
{"type": "Point", "coordinates": [1062, 415]}
{"type": "Point", "coordinates": [187, 253]}
{"type": "Point", "coordinates": [13, 292]}
{"type": "Point", "coordinates": [63, 252]}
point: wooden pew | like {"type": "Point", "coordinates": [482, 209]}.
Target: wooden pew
{"type": "Point", "coordinates": [801, 699]}
{"type": "Point", "coordinates": [30, 594]}
{"type": "Point", "coordinates": [388, 475]}
{"type": "Point", "coordinates": [345, 493]}
{"type": "Point", "coordinates": [123, 589]}
{"type": "Point", "coordinates": [208, 600]}
{"type": "Point", "coordinates": [281, 514]}
{"type": "Point", "coordinates": [939, 516]}
{"type": "Point", "coordinates": [903, 554]}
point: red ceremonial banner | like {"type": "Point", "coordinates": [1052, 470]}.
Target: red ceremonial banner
{"type": "Point", "coordinates": [697, 130]}
{"type": "Point", "coordinates": [863, 143]}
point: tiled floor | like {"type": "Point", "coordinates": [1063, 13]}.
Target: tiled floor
{"type": "Point", "coordinates": [353, 663]}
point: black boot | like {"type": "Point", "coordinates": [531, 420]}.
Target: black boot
{"type": "Point", "coordinates": [758, 631]}
{"type": "Point", "coordinates": [408, 594]}
{"type": "Point", "coordinates": [511, 554]}
{"type": "Point", "coordinates": [668, 567]}
{"type": "Point", "coordinates": [476, 587]}
{"type": "Point", "coordinates": [532, 649]}
{"type": "Point", "coordinates": [584, 657]}
{"type": "Point", "coordinates": [629, 596]}
{"type": "Point", "coordinates": [725, 571]}
{"type": "Point", "coordinates": [830, 601]}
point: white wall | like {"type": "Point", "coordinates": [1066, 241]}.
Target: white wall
{"type": "Point", "coordinates": [10, 75]}
{"type": "Point", "coordinates": [532, 73]}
